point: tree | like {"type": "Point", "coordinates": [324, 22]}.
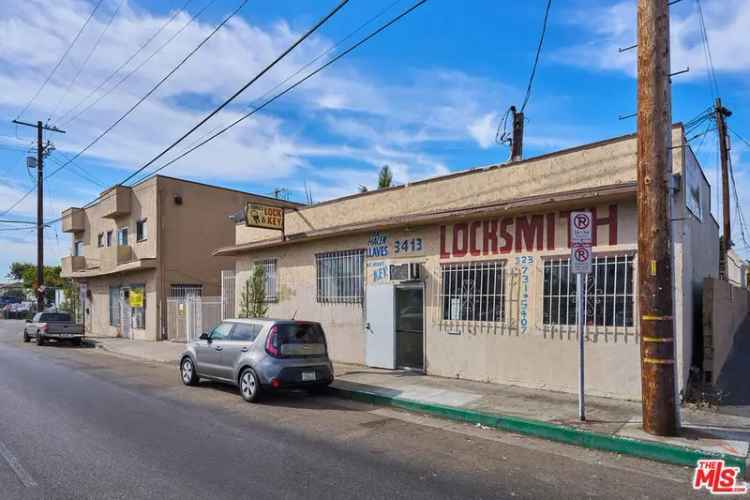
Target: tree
{"type": "Point", "coordinates": [17, 270]}
{"type": "Point", "coordinates": [385, 177]}
{"type": "Point", "coordinates": [253, 296]}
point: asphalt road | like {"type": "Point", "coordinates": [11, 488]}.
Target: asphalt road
{"type": "Point", "coordinates": [81, 423]}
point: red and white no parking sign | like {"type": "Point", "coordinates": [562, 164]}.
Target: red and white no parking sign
{"type": "Point", "coordinates": [580, 242]}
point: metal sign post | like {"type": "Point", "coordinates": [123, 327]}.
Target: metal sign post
{"type": "Point", "coordinates": [580, 265]}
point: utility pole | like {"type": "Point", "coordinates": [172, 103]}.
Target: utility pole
{"type": "Point", "coordinates": [654, 231]}
{"type": "Point", "coordinates": [721, 114]}
{"type": "Point", "coordinates": [516, 145]}
{"type": "Point", "coordinates": [40, 128]}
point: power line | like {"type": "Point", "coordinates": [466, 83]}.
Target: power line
{"type": "Point", "coordinates": [88, 57]}
{"type": "Point", "coordinates": [57, 66]}
{"type": "Point", "coordinates": [128, 60]}
{"type": "Point", "coordinates": [153, 89]}
{"type": "Point", "coordinates": [305, 66]}
{"type": "Point", "coordinates": [536, 58]}
{"type": "Point", "coordinates": [712, 81]}
{"type": "Point", "coordinates": [242, 89]}
{"type": "Point", "coordinates": [18, 202]}
{"type": "Point", "coordinates": [292, 87]}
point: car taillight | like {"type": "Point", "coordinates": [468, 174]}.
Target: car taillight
{"type": "Point", "coordinates": [43, 328]}
{"type": "Point", "coordinates": [272, 343]}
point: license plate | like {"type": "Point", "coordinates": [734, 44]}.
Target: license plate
{"type": "Point", "coordinates": [308, 376]}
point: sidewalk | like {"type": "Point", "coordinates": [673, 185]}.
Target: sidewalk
{"type": "Point", "coordinates": [611, 424]}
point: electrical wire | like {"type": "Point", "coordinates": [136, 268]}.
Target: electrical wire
{"type": "Point", "coordinates": [304, 67]}
{"type": "Point", "coordinates": [289, 88]}
{"type": "Point", "coordinates": [152, 90]}
{"type": "Point", "coordinates": [242, 89]}
{"type": "Point", "coordinates": [712, 81]}
{"type": "Point", "coordinates": [88, 57]}
{"type": "Point", "coordinates": [127, 61]}
{"type": "Point", "coordinates": [18, 202]}
{"type": "Point", "coordinates": [536, 58]}
{"type": "Point", "coordinates": [60, 61]}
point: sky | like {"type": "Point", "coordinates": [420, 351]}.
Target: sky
{"type": "Point", "coordinates": [426, 96]}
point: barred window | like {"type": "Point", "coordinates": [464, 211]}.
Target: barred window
{"type": "Point", "coordinates": [269, 271]}
{"type": "Point", "coordinates": [340, 276]}
{"type": "Point", "coordinates": [473, 291]}
{"type": "Point", "coordinates": [609, 292]}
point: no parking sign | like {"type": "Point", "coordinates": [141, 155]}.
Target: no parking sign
{"type": "Point", "coordinates": [580, 242]}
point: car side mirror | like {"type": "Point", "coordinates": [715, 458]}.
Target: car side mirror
{"type": "Point", "coordinates": [204, 336]}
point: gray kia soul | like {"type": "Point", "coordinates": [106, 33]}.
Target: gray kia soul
{"type": "Point", "coordinates": [258, 355]}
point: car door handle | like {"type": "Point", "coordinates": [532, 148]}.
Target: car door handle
{"type": "Point", "coordinates": [219, 348]}
{"type": "Point", "coordinates": [244, 349]}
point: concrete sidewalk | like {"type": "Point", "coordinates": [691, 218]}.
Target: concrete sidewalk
{"type": "Point", "coordinates": [611, 424]}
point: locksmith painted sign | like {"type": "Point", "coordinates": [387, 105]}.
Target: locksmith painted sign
{"type": "Point", "coordinates": [521, 233]}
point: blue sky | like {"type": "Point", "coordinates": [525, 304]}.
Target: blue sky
{"type": "Point", "coordinates": [425, 97]}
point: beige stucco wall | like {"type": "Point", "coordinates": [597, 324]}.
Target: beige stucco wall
{"type": "Point", "coordinates": [588, 167]}
{"type": "Point", "coordinates": [97, 305]}
{"type": "Point", "coordinates": [540, 357]}
{"type": "Point", "coordinates": [142, 206]}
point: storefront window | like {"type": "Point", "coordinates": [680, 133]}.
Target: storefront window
{"type": "Point", "coordinates": [473, 291]}
{"type": "Point", "coordinates": [340, 276]}
{"type": "Point", "coordinates": [269, 270]}
{"type": "Point", "coordinates": [609, 292]}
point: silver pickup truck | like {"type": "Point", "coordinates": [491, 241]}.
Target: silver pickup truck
{"type": "Point", "coordinates": [53, 325]}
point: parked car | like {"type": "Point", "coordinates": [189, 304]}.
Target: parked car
{"type": "Point", "coordinates": [19, 310]}
{"type": "Point", "coordinates": [59, 326]}
{"type": "Point", "coordinates": [259, 355]}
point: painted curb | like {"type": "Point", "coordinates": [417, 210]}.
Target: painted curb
{"type": "Point", "coordinates": [659, 452]}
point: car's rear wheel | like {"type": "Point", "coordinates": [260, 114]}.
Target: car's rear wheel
{"type": "Point", "coordinates": [249, 386]}
{"type": "Point", "coordinates": [187, 372]}
{"type": "Point", "coordinates": [39, 339]}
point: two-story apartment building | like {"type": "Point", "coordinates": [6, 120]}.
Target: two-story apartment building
{"type": "Point", "coordinates": [135, 246]}
{"type": "Point", "coordinates": [467, 275]}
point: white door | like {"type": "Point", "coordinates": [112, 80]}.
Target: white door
{"type": "Point", "coordinates": [380, 348]}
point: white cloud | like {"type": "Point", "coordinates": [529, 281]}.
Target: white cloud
{"type": "Point", "coordinates": [613, 26]}
{"type": "Point", "coordinates": [484, 129]}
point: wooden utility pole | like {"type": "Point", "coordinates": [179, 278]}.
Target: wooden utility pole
{"type": "Point", "coordinates": [516, 153]}
{"type": "Point", "coordinates": [721, 114]}
{"type": "Point", "coordinates": [654, 231]}
{"type": "Point", "coordinates": [40, 127]}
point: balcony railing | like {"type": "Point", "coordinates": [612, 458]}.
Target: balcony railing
{"type": "Point", "coordinates": [73, 263]}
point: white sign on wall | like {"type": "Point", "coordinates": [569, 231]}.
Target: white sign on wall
{"type": "Point", "coordinates": [693, 179]}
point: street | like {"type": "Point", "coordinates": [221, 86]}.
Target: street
{"type": "Point", "coordinates": [81, 423]}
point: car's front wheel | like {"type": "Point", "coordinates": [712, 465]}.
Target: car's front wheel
{"type": "Point", "coordinates": [26, 338]}
{"type": "Point", "coordinates": [187, 372]}
{"type": "Point", "coordinates": [249, 385]}
{"type": "Point", "coordinates": [39, 339]}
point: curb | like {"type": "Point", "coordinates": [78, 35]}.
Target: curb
{"type": "Point", "coordinates": [660, 452]}
{"type": "Point", "coordinates": [132, 356]}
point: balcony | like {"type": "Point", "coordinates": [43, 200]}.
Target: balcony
{"type": "Point", "coordinates": [72, 264]}
{"type": "Point", "coordinates": [73, 220]}
{"type": "Point", "coordinates": [115, 202]}
{"type": "Point", "coordinates": [116, 256]}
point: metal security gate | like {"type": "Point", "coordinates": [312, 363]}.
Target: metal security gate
{"type": "Point", "coordinates": [227, 294]}
{"type": "Point", "coordinates": [190, 316]}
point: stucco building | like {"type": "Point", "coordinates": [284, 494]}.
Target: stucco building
{"type": "Point", "coordinates": [137, 245]}
{"type": "Point", "coordinates": [467, 276]}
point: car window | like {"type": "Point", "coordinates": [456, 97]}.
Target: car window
{"type": "Point", "coordinates": [221, 332]}
{"type": "Point", "coordinates": [53, 317]}
{"type": "Point", "coordinates": [36, 317]}
{"type": "Point", "coordinates": [245, 332]}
